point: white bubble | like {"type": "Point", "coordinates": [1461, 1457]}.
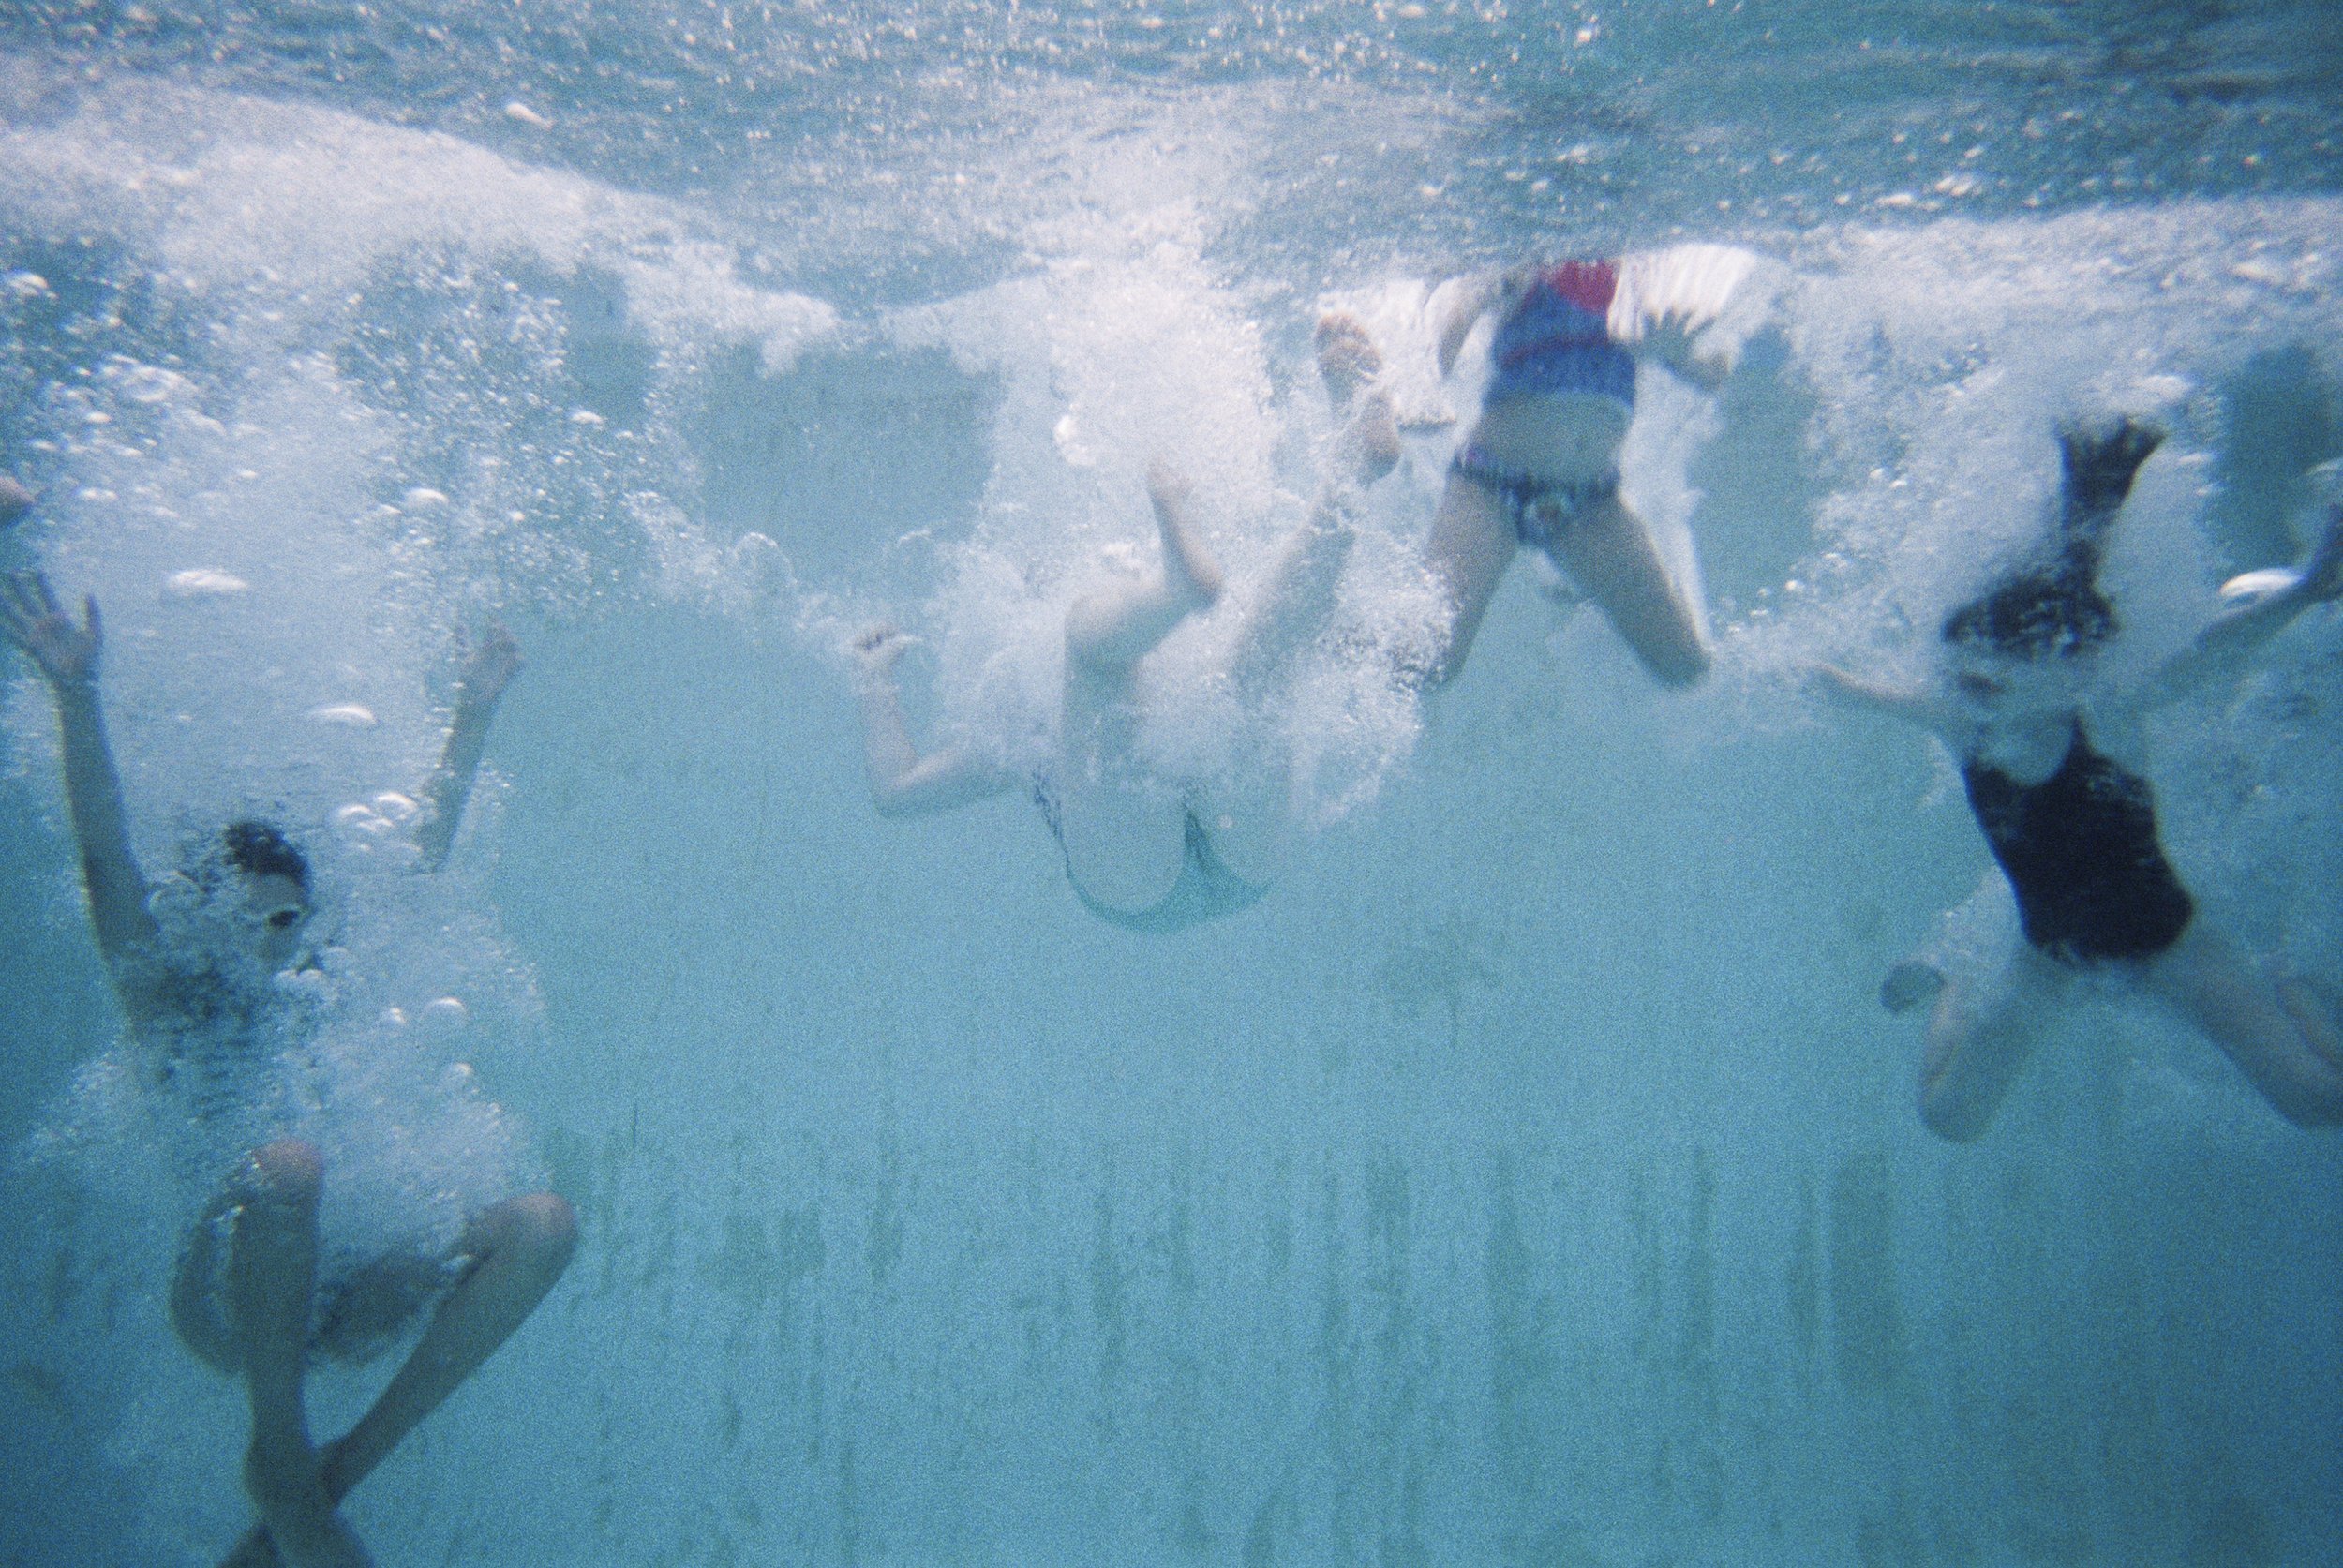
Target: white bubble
{"type": "Point", "coordinates": [520, 112]}
{"type": "Point", "coordinates": [202, 582]}
{"type": "Point", "coordinates": [27, 285]}
{"type": "Point", "coordinates": [350, 715]}
{"type": "Point", "coordinates": [396, 807]}
{"type": "Point", "coordinates": [445, 1014]}
{"type": "Point", "coordinates": [2250, 587]}
{"type": "Point", "coordinates": [422, 497]}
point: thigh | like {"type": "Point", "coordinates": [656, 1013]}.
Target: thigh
{"type": "Point", "coordinates": [199, 1290]}
{"type": "Point", "coordinates": [2288, 1046]}
{"type": "Point", "coordinates": [363, 1307]}
{"type": "Point", "coordinates": [1470, 544]}
{"type": "Point", "coordinates": [1984, 1028]}
{"type": "Point", "coordinates": [1607, 550]}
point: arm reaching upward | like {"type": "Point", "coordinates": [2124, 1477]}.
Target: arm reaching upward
{"type": "Point", "coordinates": [68, 655]}
{"type": "Point", "coordinates": [2223, 647]}
{"type": "Point", "coordinates": [903, 783]}
{"type": "Point", "coordinates": [1467, 300]}
{"type": "Point", "coordinates": [487, 671]}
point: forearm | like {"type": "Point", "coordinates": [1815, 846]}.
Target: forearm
{"type": "Point", "coordinates": [904, 784]}
{"type": "Point", "coordinates": [2224, 648]}
{"type": "Point", "coordinates": [889, 758]}
{"type": "Point", "coordinates": [449, 788]}
{"type": "Point", "coordinates": [1852, 691]}
{"type": "Point", "coordinates": [101, 824]}
{"type": "Point", "coordinates": [1465, 306]}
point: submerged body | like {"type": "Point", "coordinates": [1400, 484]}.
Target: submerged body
{"type": "Point", "coordinates": [1143, 852]}
{"type": "Point", "coordinates": [1540, 465]}
{"type": "Point", "coordinates": [2074, 829]}
{"type": "Point", "coordinates": [255, 1293]}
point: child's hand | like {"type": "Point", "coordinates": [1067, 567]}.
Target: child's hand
{"type": "Point", "coordinates": [33, 620]}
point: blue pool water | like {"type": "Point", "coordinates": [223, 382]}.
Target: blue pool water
{"type": "Point", "coordinates": [1533, 1177]}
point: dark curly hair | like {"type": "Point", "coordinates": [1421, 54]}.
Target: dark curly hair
{"type": "Point", "coordinates": [2052, 604]}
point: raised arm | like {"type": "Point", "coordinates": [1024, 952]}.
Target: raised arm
{"type": "Point", "coordinates": [67, 655]}
{"type": "Point", "coordinates": [1458, 305]}
{"type": "Point", "coordinates": [2223, 648]}
{"type": "Point", "coordinates": [903, 783]}
{"type": "Point", "coordinates": [493, 662]}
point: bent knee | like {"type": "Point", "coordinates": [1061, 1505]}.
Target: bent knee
{"type": "Point", "coordinates": [289, 1170]}
{"type": "Point", "coordinates": [541, 1227]}
{"type": "Point", "coordinates": [1952, 1118]}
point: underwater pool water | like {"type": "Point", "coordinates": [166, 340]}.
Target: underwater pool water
{"type": "Point", "coordinates": [1533, 1177]}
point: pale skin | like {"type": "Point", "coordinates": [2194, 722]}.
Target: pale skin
{"type": "Point", "coordinates": [1125, 830]}
{"type": "Point", "coordinates": [267, 1217]}
{"type": "Point", "coordinates": [1564, 440]}
{"type": "Point", "coordinates": [2017, 717]}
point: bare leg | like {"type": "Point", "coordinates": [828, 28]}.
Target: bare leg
{"type": "Point", "coordinates": [1110, 631]}
{"type": "Point", "coordinates": [272, 1279]}
{"type": "Point", "coordinates": [2281, 1034]}
{"type": "Point", "coordinates": [1125, 834]}
{"type": "Point", "coordinates": [195, 1310]}
{"type": "Point", "coordinates": [1298, 598]}
{"type": "Point", "coordinates": [517, 1250]}
{"type": "Point", "coordinates": [1982, 1031]}
{"type": "Point", "coordinates": [1607, 551]}
{"type": "Point", "coordinates": [1471, 543]}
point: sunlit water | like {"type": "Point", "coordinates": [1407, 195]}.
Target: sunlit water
{"type": "Point", "coordinates": [1533, 1177]}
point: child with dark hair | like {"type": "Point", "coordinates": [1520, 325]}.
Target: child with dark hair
{"type": "Point", "coordinates": [249, 1296]}
{"type": "Point", "coordinates": [2074, 831]}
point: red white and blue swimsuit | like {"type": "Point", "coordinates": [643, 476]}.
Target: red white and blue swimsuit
{"type": "Point", "coordinates": [1555, 341]}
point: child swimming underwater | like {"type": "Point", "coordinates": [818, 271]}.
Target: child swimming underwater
{"type": "Point", "coordinates": [1145, 853]}
{"type": "Point", "coordinates": [2073, 828]}
{"type": "Point", "coordinates": [1539, 466]}
{"type": "Point", "coordinates": [254, 1294]}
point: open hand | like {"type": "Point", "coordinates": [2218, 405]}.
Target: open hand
{"type": "Point", "coordinates": [36, 622]}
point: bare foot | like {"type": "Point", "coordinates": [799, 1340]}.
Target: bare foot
{"type": "Point", "coordinates": [1349, 364]}
{"type": "Point", "coordinates": [1348, 360]}
{"type": "Point", "coordinates": [877, 648]}
{"type": "Point", "coordinates": [288, 1488]}
{"type": "Point", "coordinates": [1188, 566]}
{"type": "Point", "coordinates": [1908, 984]}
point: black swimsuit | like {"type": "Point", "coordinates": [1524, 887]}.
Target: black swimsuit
{"type": "Point", "coordinates": [2081, 852]}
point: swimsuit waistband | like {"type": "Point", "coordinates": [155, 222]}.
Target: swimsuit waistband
{"type": "Point", "coordinates": [1539, 507]}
